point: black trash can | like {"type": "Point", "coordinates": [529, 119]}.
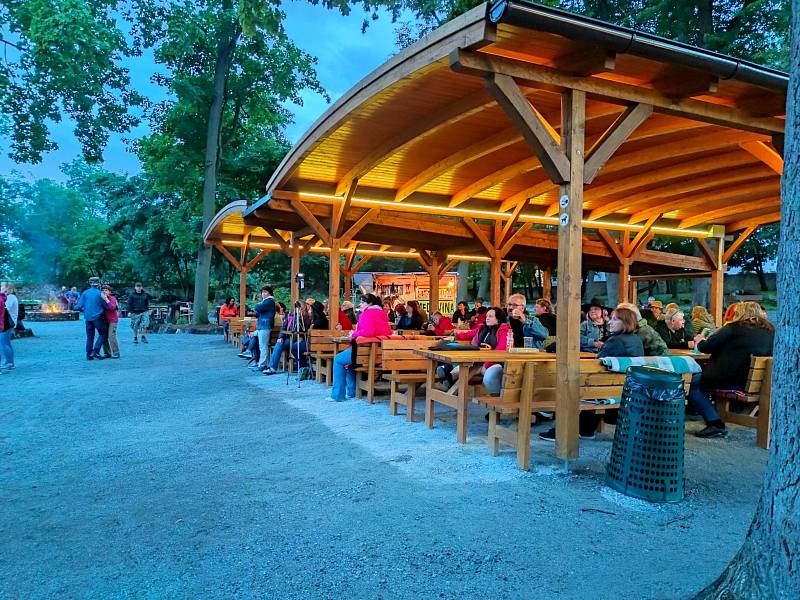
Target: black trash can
{"type": "Point", "coordinates": [647, 456]}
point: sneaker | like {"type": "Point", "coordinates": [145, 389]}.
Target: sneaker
{"type": "Point", "coordinates": [332, 399]}
{"type": "Point", "coordinates": [144, 340]}
{"type": "Point", "coordinates": [89, 357]}
{"type": "Point", "coordinates": [99, 356]}
{"type": "Point", "coordinates": [545, 415]}
{"type": "Point", "coordinates": [589, 436]}
{"type": "Point", "coordinates": [135, 340]}
{"type": "Point", "coordinates": [115, 356]}
{"type": "Point", "coordinates": [349, 397]}
{"type": "Point", "coordinates": [269, 371]}
{"type": "Point", "coordinates": [712, 431]}
{"type": "Point", "coordinates": [549, 435]}
{"type": "Point", "coordinates": [7, 367]}
{"type": "Point", "coordinates": [244, 355]}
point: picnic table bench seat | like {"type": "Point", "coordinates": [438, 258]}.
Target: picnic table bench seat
{"type": "Point", "coordinates": [405, 370]}
{"type": "Point", "coordinates": [531, 387]}
{"type": "Point", "coordinates": [322, 350]}
{"type": "Point", "coordinates": [756, 398]}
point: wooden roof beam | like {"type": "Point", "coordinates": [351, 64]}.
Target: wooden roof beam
{"type": "Point", "coordinates": [273, 233]}
{"type": "Point", "coordinates": [738, 243]}
{"type": "Point", "coordinates": [452, 113]}
{"type": "Point", "coordinates": [721, 213]}
{"type": "Point", "coordinates": [340, 210]}
{"type": "Point", "coordinates": [611, 244]}
{"type": "Point", "coordinates": [514, 238]}
{"type": "Point", "coordinates": [479, 235]}
{"type": "Point", "coordinates": [365, 219]}
{"type": "Point", "coordinates": [257, 259]}
{"type": "Point", "coordinates": [641, 240]}
{"type": "Point", "coordinates": [586, 60]}
{"type": "Point", "coordinates": [747, 222]}
{"type": "Point", "coordinates": [492, 179]}
{"type": "Point", "coordinates": [766, 154]}
{"type": "Point", "coordinates": [312, 221]}
{"type": "Point", "coordinates": [687, 85]}
{"type": "Point", "coordinates": [479, 64]}
{"type": "Point", "coordinates": [613, 138]}
{"type": "Point", "coordinates": [224, 251]}
{"type": "Point", "coordinates": [708, 254]}
{"type": "Point", "coordinates": [538, 133]}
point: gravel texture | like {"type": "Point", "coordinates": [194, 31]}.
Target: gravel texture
{"type": "Point", "coordinates": [176, 472]}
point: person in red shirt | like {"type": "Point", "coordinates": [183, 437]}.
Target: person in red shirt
{"type": "Point", "coordinates": [441, 325]}
{"type": "Point", "coordinates": [111, 314]}
{"type": "Point", "coordinates": [227, 312]}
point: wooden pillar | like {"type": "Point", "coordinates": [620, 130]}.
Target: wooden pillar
{"type": "Point", "coordinates": [717, 294]}
{"type": "Point", "coordinates": [495, 272]}
{"type": "Point", "coordinates": [334, 272]}
{"type": "Point", "coordinates": [433, 277]}
{"type": "Point", "coordinates": [348, 284]}
{"type": "Point", "coordinates": [624, 293]}
{"type": "Point", "coordinates": [242, 292]}
{"type": "Point", "coordinates": [509, 278]}
{"type": "Point", "coordinates": [570, 232]}
{"type": "Point", "coordinates": [294, 255]}
{"type": "Point", "coordinates": [547, 283]}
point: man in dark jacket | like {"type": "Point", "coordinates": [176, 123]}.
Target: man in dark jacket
{"type": "Point", "coordinates": [139, 311]}
{"type": "Point", "coordinates": [673, 331]}
{"type": "Point", "coordinates": [93, 303]}
{"type": "Point", "coordinates": [265, 310]}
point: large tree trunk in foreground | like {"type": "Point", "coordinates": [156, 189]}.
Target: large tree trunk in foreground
{"type": "Point", "coordinates": [768, 564]}
{"type": "Point", "coordinates": [224, 55]}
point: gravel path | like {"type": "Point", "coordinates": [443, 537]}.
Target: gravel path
{"type": "Point", "coordinates": [175, 472]}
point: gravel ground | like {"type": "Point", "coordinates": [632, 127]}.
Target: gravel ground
{"type": "Point", "coordinates": [176, 472]}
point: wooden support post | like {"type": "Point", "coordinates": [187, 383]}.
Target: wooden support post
{"type": "Point", "coordinates": [334, 272]}
{"type": "Point", "coordinates": [433, 275]}
{"type": "Point", "coordinates": [242, 292]}
{"type": "Point", "coordinates": [570, 240]}
{"type": "Point", "coordinates": [294, 255]}
{"type": "Point", "coordinates": [624, 293]}
{"type": "Point", "coordinates": [348, 283]}
{"type": "Point", "coordinates": [547, 283]}
{"type": "Point", "coordinates": [717, 293]}
{"type": "Point", "coordinates": [508, 279]}
{"type": "Point", "coordinates": [496, 267]}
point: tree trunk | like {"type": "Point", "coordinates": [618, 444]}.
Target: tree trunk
{"type": "Point", "coordinates": [768, 564]}
{"type": "Point", "coordinates": [463, 280]}
{"type": "Point", "coordinates": [225, 50]}
{"type": "Point", "coordinates": [701, 288]}
{"type": "Point", "coordinates": [612, 289]}
{"type": "Point", "coordinates": [483, 287]}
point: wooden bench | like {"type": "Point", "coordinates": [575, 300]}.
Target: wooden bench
{"type": "Point", "coordinates": [406, 369]}
{"type": "Point", "coordinates": [369, 370]}
{"type": "Point", "coordinates": [756, 396]}
{"type": "Point", "coordinates": [322, 351]}
{"type": "Point", "coordinates": [531, 387]}
{"type": "Point", "coordinates": [235, 331]}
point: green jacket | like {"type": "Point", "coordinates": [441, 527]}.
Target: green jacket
{"type": "Point", "coordinates": [652, 342]}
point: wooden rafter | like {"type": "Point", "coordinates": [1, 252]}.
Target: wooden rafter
{"type": "Point", "coordinates": [721, 213]}
{"type": "Point", "coordinates": [586, 60]}
{"type": "Point", "coordinates": [733, 195]}
{"type": "Point", "coordinates": [424, 259]}
{"type": "Point", "coordinates": [508, 228]}
{"type": "Point", "coordinates": [526, 194]}
{"type": "Point", "coordinates": [479, 235]}
{"type": "Point", "coordinates": [499, 176]}
{"type": "Point", "coordinates": [766, 154]}
{"type": "Point", "coordinates": [228, 255]}
{"type": "Point", "coordinates": [308, 245]}
{"type": "Point", "coordinates": [750, 221]}
{"type": "Point", "coordinates": [348, 263]}
{"type": "Point", "coordinates": [340, 210]}
{"type": "Point", "coordinates": [362, 222]}
{"type": "Point", "coordinates": [361, 262]}
{"type": "Point", "coordinates": [738, 243]}
{"type": "Point", "coordinates": [312, 221]}
{"type": "Point", "coordinates": [274, 234]}
{"type": "Point", "coordinates": [246, 248]}
{"type": "Point", "coordinates": [540, 136]}
{"type": "Point", "coordinates": [613, 138]}
{"type": "Point", "coordinates": [468, 62]}
{"type": "Point", "coordinates": [708, 254]}
{"type": "Point", "coordinates": [257, 259]}
{"type": "Point", "coordinates": [686, 85]}
{"type": "Point", "coordinates": [458, 110]}
{"type": "Point", "coordinates": [642, 238]}
{"type": "Point", "coordinates": [611, 244]}
{"type": "Point", "coordinates": [514, 238]}
{"type": "Point", "coordinates": [446, 267]}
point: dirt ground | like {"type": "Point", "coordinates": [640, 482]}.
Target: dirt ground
{"type": "Point", "coordinates": [176, 472]}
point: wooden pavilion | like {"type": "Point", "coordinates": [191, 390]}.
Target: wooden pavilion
{"type": "Point", "coordinates": [518, 132]}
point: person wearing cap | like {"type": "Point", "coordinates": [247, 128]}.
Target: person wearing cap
{"type": "Point", "coordinates": [654, 312]}
{"type": "Point", "coordinates": [672, 329]}
{"type": "Point", "coordinates": [93, 303]}
{"type": "Point", "coordinates": [111, 314]}
{"type": "Point", "coordinates": [652, 342]}
{"type": "Point", "coordinates": [139, 310]}
{"type": "Point", "coordinates": [593, 330]}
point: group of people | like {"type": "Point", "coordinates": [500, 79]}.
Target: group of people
{"type": "Point", "coordinates": [68, 298]}
{"type": "Point", "coordinates": [9, 317]}
{"type": "Point", "coordinates": [101, 318]}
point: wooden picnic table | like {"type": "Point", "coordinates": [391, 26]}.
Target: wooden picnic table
{"type": "Point", "coordinates": [469, 362]}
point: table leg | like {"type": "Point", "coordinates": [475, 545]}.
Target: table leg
{"type": "Point", "coordinates": [429, 388]}
{"type": "Point", "coordinates": [462, 417]}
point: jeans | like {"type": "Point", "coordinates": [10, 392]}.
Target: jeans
{"type": "Point", "coordinates": [263, 344]}
{"type": "Point", "coordinates": [342, 376]}
{"type": "Point", "coordinates": [700, 401]}
{"type": "Point", "coordinates": [6, 351]}
{"type": "Point", "coordinates": [493, 379]}
{"type": "Point", "coordinates": [101, 328]}
{"type": "Point", "coordinates": [281, 346]}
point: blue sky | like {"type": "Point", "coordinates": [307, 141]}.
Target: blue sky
{"type": "Point", "coordinates": [344, 56]}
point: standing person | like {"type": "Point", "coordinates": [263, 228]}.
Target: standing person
{"type": "Point", "coordinates": [93, 304]}
{"type": "Point", "coordinates": [9, 310]}
{"type": "Point", "coordinates": [63, 298]}
{"type": "Point", "coordinates": [139, 311]}
{"type": "Point", "coordinates": [72, 297]}
{"type": "Point", "coordinates": [111, 345]}
{"type": "Point", "coordinates": [265, 310]}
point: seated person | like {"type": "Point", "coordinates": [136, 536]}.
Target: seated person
{"type": "Point", "coordinates": [593, 329]}
{"type": "Point", "coordinates": [622, 341]}
{"type": "Point", "coordinates": [317, 319]}
{"type": "Point", "coordinates": [476, 307]}
{"type": "Point", "coordinates": [462, 314]}
{"type": "Point", "coordinates": [412, 318]}
{"type": "Point", "coordinates": [282, 344]}
{"type": "Point", "coordinates": [390, 314]}
{"type": "Point", "coordinates": [652, 342]}
{"type": "Point", "coordinates": [227, 312]}
{"type": "Point", "coordinates": [439, 325]}
{"type": "Point", "coordinates": [672, 329]}
{"type": "Point", "coordinates": [731, 347]}
{"type": "Point", "coordinates": [654, 312]}
{"type": "Point", "coordinates": [524, 325]}
{"type": "Point", "coordinates": [702, 321]}
{"type": "Point", "coordinates": [372, 322]}
{"type": "Point", "coordinates": [347, 316]}
{"type": "Point", "coordinates": [492, 334]}
{"type": "Point", "coordinates": [543, 309]}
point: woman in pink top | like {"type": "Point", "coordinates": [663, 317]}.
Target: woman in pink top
{"type": "Point", "coordinates": [111, 314]}
{"type": "Point", "coordinates": [372, 322]}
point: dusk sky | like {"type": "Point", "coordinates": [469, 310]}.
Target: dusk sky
{"type": "Point", "coordinates": [345, 55]}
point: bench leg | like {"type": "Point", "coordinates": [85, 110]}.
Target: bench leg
{"type": "Point", "coordinates": [428, 390]}
{"type": "Point", "coordinates": [494, 441]}
{"type": "Point", "coordinates": [318, 369]}
{"type": "Point", "coordinates": [329, 372]}
{"type": "Point", "coordinates": [524, 419]}
{"type": "Point", "coordinates": [411, 398]}
{"type": "Point", "coordinates": [393, 398]}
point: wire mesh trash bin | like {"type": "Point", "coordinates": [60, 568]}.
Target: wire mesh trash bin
{"type": "Point", "coordinates": [647, 455]}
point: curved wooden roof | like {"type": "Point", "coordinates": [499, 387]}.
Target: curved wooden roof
{"type": "Point", "coordinates": [423, 130]}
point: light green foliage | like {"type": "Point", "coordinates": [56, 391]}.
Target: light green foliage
{"type": "Point", "coordinates": [761, 247]}
{"type": "Point", "coordinates": [63, 57]}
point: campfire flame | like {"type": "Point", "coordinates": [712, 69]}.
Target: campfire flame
{"type": "Point", "coordinates": [52, 307]}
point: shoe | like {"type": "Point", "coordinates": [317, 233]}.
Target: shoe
{"type": "Point", "coordinates": [694, 417]}
{"type": "Point", "coordinates": [99, 357]}
{"type": "Point", "coordinates": [107, 356]}
{"type": "Point", "coordinates": [349, 397]}
{"type": "Point", "coordinates": [332, 399]}
{"type": "Point", "coordinates": [269, 371]}
{"type": "Point", "coordinates": [712, 431]}
{"type": "Point", "coordinates": [549, 435]}
{"type": "Point", "coordinates": [115, 356]}
{"type": "Point", "coordinates": [10, 367]}
{"type": "Point", "coordinates": [144, 340]}
{"type": "Point", "coordinates": [545, 415]}
{"type": "Point", "coordinates": [135, 340]}
{"type": "Point", "coordinates": [244, 355]}
{"type": "Point", "coordinates": [589, 436]}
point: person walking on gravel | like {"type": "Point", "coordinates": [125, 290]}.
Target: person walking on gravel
{"type": "Point", "coordinates": [94, 303]}
{"type": "Point", "coordinates": [111, 345]}
{"type": "Point", "coordinates": [139, 310]}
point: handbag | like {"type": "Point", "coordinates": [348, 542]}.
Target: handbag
{"type": "Point", "coordinates": [7, 322]}
{"type": "Point", "coordinates": [450, 345]}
